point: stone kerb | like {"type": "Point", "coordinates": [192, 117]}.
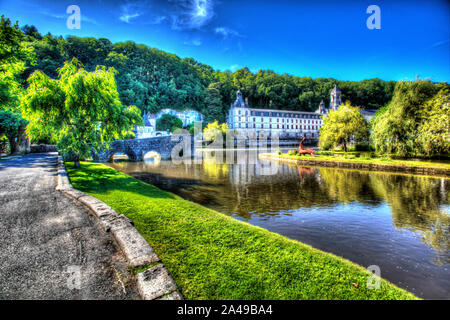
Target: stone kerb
{"type": "Point", "coordinates": [153, 283]}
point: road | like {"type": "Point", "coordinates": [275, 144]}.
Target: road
{"type": "Point", "coordinates": [51, 247]}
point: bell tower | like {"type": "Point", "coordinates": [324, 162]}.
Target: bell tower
{"type": "Point", "coordinates": [335, 98]}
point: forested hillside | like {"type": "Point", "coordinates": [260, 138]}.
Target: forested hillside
{"type": "Point", "coordinates": [153, 79]}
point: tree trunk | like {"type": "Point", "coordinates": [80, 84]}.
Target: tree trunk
{"type": "Point", "coordinates": [14, 145]}
{"type": "Point", "coordinates": [76, 161]}
{"type": "Point", "coordinates": [345, 146]}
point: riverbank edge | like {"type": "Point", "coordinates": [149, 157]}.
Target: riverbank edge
{"type": "Point", "coordinates": [271, 237]}
{"type": "Point", "coordinates": [152, 278]}
{"type": "Point", "coordinates": [354, 164]}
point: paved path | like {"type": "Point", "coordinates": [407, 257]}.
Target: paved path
{"type": "Point", "coordinates": [45, 238]}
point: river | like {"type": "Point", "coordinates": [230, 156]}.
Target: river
{"type": "Point", "coordinates": [400, 223]}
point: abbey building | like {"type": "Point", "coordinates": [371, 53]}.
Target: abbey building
{"type": "Point", "coordinates": [284, 122]}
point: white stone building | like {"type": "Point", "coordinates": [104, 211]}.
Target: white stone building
{"type": "Point", "coordinates": [149, 128]}
{"type": "Point", "coordinates": [285, 123]}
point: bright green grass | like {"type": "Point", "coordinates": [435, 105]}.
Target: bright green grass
{"type": "Point", "coordinates": [378, 161]}
{"type": "Point", "coordinates": [213, 256]}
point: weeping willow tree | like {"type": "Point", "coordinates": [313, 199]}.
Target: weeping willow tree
{"type": "Point", "coordinates": [80, 111]}
{"type": "Point", "coordinates": [434, 129]}
{"type": "Point", "coordinates": [416, 122]}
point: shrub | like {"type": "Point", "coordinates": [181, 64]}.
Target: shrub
{"type": "Point", "coordinates": [364, 147]}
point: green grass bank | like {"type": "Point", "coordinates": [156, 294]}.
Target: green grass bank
{"type": "Point", "coordinates": [367, 163]}
{"type": "Point", "coordinates": [213, 256]}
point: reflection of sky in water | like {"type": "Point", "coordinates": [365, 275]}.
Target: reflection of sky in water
{"type": "Point", "coordinates": [399, 222]}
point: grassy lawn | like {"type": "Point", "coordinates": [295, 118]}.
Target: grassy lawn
{"type": "Point", "coordinates": [213, 256]}
{"type": "Point", "coordinates": [378, 161]}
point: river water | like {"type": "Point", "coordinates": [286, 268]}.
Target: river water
{"type": "Point", "coordinates": [400, 223]}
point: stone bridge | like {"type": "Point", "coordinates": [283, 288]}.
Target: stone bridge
{"type": "Point", "coordinates": [136, 149]}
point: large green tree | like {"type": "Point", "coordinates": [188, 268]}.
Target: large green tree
{"type": "Point", "coordinates": [168, 122]}
{"type": "Point", "coordinates": [15, 55]}
{"type": "Point", "coordinates": [80, 111]}
{"type": "Point", "coordinates": [214, 109]}
{"type": "Point", "coordinates": [396, 129]}
{"type": "Point", "coordinates": [12, 126]}
{"type": "Point", "coordinates": [434, 129]}
{"type": "Point", "coordinates": [342, 126]}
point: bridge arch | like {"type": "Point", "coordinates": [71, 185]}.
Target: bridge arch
{"type": "Point", "coordinates": [136, 149]}
{"type": "Point", "coordinates": [151, 154]}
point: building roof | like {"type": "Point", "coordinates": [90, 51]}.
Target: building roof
{"type": "Point", "coordinates": [335, 89]}
{"type": "Point", "coordinates": [146, 117]}
{"type": "Point", "coordinates": [239, 103]}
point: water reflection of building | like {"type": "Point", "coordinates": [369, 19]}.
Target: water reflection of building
{"type": "Point", "coordinates": [249, 169]}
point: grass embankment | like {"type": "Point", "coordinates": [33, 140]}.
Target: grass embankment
{"type": "Point", "coordinates": [213, 256]}
{"type": "Point", "coordinates": [367, 160]}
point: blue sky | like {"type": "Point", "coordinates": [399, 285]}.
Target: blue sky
{"type": "Point", "coordinates": [304, 38]}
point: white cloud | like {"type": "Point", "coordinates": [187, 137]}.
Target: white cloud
{"type": "Point", "coordinates": [191, 14]}
{"type": "Point", "coordinates": [126, 17]}
{"type": "Point", "coordinates": [227, 32]}
{"type": "Point", "coordinates": [130, 11]}
{"type": "Point", "coordinates": [194, 42]}
{"type": "Point", "coordinates": [157, 19]}
{"type": "Point", "coordinates": [440, 43]}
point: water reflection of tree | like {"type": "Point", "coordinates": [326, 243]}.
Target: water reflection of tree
{"type": "Point", "coordinates": [348, 185]}
{"type": "Point", "coordinates": [416, 204]}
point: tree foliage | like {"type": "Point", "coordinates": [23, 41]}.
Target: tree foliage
{"type": "Point", "coordinates": [15, 55]}
{"type": "Point", "coordinates": [342, 126]}
{"type": "Point", "coordinates": [153, 79]}
{"type": "Point", "coordinates": [168, 122]}
{"type": "Point", "coordinates": [12, 126]}
{"type": "Point", "coordinates": [80, 110]}
{"type": "Point", "coordinates": [434, 129]}
{"type": "Point", "coordinates": [406, 127]}
{"type": "Point", "coordinates": [213, 129]}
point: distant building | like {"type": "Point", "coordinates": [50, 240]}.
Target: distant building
{"type": "Point", "coordinates": [335, 98]}
{"type": "Point", "coordinates": [187, 116]}
{"type": "Point", "coordinates": [149, 128]}
{"type": "Point", "coordinates": [270, 121]}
